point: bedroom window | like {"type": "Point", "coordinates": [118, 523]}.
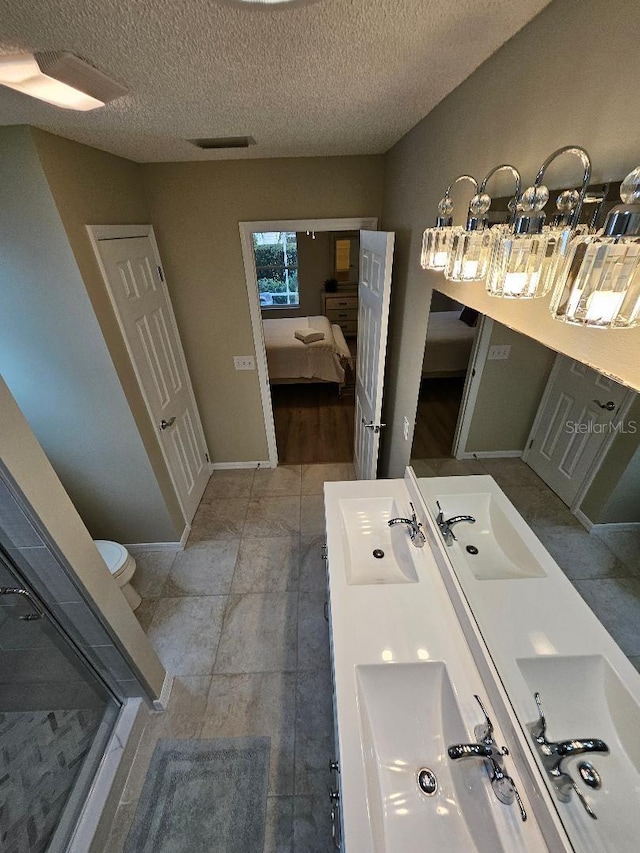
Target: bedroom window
{"type": "Point", "coordinates": [276, 255]}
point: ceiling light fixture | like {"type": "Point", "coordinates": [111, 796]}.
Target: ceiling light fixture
{"type": "Point", "coordinates": [436, 242]}
{"type": "Point", "coordinates": [471, 249]}
{"type": "Point", "coordinates": [526, 258]}
{"type": "Point", "coordinates": [59, 78]}
{"type": "Point", "coordinates": [599, 282]}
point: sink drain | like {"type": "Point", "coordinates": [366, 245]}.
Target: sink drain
{"type": "Point", "coordinates": [427, 781]}
{"type": "Point", "coordinates": [471, 549]}
{"type": "Point", "coordinates": [378, 553]}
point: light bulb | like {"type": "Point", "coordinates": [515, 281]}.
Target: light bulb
{"type": "Point", "coordinates": [535, 198]}
{"type": "Point", "coordinates": [479, 204]}
{"type": "Point", "coordinates": [445, 206]}
{"type": "Point", "coordinates": [630, 187]}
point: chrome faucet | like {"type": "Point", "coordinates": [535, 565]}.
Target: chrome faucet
{"type": "Point", "coordinates": [445, 525]}
{"type": "Point", "coordinates": [553, 754]}
{"type": "Point", "coordinates": [486, 748]}
{"type": "Point", "coordinates": [415, 528]}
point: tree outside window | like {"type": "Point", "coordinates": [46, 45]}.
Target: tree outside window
{"type": "Point", "coordinates": [276, 256]}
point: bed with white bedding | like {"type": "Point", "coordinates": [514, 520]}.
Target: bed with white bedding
{"type": "Point", "coordinates": [448, 347]}
{"type": "Point", "coordinates": [290, 360]}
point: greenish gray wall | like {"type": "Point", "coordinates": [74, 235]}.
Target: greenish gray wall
{"type": "Point", "coordinates": [509, 393]}
{"type": "Point", "coordinates": [25, 460]}
{"type": "Point", "coordinates": [614, 495]}
{"type": "Point", "coordinates": [55, 362]}
{"type": "Point", "coordinates": [550, 85]}
{"type": "Point", "coordinates": [92, 187]}
{"type": "Point", "coordinates": [195, 209]}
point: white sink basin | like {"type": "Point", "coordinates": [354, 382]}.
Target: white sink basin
{"type": "Point", "coordinates": [409, 716]}
{"type": "Point", "coordinates": [583, 697]}
{"type": "Point", "coordinates": [502, 552]}
{"type": "Point", "coordinates": [365, 530]}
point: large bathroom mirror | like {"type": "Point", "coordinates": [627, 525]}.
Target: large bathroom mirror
{"type": "Point", "coordinates": [562, 444]}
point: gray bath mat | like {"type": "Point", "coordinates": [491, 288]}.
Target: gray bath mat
{"type": "Point", "coordinates": [203, 796]}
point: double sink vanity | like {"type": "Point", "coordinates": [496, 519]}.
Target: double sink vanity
{"type": "Point", "coordinates": [479, 704]}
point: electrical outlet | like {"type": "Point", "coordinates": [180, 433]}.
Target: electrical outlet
{"type": "Point", "coordinates": [405, 429]}
{"type": "Point", "coordinates": [244, 362]}
{"type": "Point", "coordinates": [499, 353]}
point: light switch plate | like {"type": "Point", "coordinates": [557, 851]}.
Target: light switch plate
{"type": "Point", "coordinates": [498, 353]}
{"type": "Point", "coordinates": [244, 362]}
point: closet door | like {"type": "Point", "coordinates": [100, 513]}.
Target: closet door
{"type": "Point", "coordinates": [140, 298]}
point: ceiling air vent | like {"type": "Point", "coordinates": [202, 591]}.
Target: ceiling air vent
{"type": "Point", "coordinates": [221, 142]}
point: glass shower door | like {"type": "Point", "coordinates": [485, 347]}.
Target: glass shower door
{"type": "Point", "coordinates": [56, 716]}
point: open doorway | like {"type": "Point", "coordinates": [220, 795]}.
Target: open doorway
{"type": "Point", "coordinates": [446, 362]}
{"type": "Point", "coordinates": [302, 282]}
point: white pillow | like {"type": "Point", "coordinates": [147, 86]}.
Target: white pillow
{"type": "Point", "coordinates": [308, 336]}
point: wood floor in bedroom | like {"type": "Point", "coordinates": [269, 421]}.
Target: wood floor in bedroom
{"type": "Point", "coordinates": [314, 424]}
{"type": "Point", "coordinates": [436, 418]}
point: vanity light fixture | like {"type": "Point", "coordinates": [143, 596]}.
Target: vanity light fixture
{"type": "Point", "coordinates": [525, 258]}
{"type": "Point", "coordinates": [436, 242]}
{"type": "Point", "coordinates": [599, 282]}
{"type": "Point", "coordinates": [471, 248]}
{"type": "Point", "coordinates": [59, 78]}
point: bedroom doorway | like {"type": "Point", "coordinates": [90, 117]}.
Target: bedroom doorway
{"type": "Point", "coordinates": [444, 393]}
{"type": "Point", "coordinates": [302, 288]}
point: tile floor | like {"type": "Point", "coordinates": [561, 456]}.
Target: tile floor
{"type": "Point", "coordinates": [238, 618]}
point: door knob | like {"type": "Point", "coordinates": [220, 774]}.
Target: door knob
{"type": "Point", "coordinates": [609, 405]}
{"type": "Point", "coordinates": [166, 424]}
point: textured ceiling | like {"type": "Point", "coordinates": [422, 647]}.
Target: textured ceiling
{"type": "Point", "coordinates": [334, 77]}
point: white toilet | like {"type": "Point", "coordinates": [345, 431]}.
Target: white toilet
{"type": "Point", "coordinates": [122, 566]}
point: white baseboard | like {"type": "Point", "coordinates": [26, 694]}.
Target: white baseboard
{"type": "Point", "coordinates": [492, 454]}
{"type": "Point", "coordinates": [162, 702]}
{"type": "Point", "coordinates": [157, 546]}
{"type": "Point", "coordinates": [616, 527]}
{"type": "Point", "coordinates": [229, 466]}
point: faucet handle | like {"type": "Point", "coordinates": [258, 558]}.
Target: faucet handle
{"type": "Point", "coordinates": [414, 517]}
{"type": "Point", "coordinates": [542, 733]}
{"type": "Point", "coordinates": [440, 517]}
{"type": "Point", "coordinates": [567, 748]}
{"type": "Point", "coordinates": [486, 734]}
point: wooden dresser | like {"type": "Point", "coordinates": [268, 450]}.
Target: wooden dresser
{"type": "Point", "coordinates": [342, 308]}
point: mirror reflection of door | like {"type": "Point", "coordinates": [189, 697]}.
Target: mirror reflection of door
{"type": "Point", "coordinates": [576, 418]}
{"type": "Point", "coordinates": [449, 343]}
{"type": "Point", "coordinates": [560, 438]}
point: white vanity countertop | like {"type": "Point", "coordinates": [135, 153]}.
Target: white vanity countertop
{"type": "Point", "coordinates": [399, 623]}
{"type": "Point", "coordinates": [544, 637]}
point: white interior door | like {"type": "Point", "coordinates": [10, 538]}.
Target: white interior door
{"type": "Point", "coordinates": [571, 425]}
{"type": "Point", "coordinates": [374, 292]}
{"type": "Point", "coordinates": [141, 301]}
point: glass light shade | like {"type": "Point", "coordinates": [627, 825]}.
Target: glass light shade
{"type": "Point", "coordinates": [470, 254]}
{"type": "Point", "coordinates": [436, 245]}
{"type": "Point", "coordinates": [599, 283]}
{"type": "Point", "coordinates": [523, 266]}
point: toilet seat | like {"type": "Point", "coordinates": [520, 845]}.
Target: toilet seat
{"type": "Point", "coordinates": [116, 556]}
{"type": "Point", "coordinates": [122, 567]}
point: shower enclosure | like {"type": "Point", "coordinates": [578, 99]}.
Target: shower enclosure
{"type": "Point", "coordinates": [56, 716]}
